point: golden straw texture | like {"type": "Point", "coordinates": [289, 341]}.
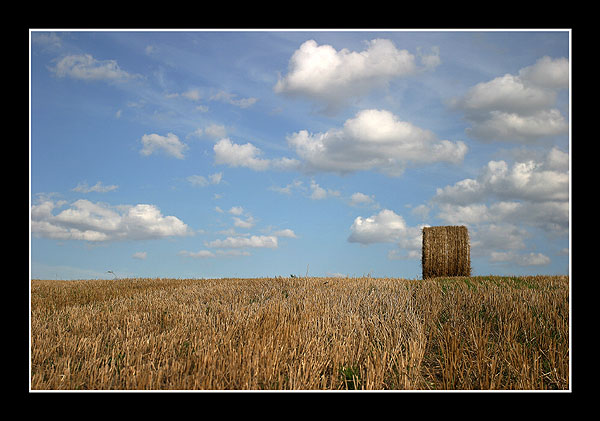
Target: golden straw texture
{"type": "Point", "coordinates": [446, 251]}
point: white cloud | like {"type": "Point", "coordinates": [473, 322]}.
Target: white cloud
{"type": "Point", "coordinates": [236, 210]}
{"type": "Point", "coordinates": [98, 188]}
{"type": "Point", "coordinates": [247, 155]}
{"type": "Point", "coordinates": [205, 254]}
{"type": "Point", "coordinates": [197, 254]}
{"type": "Point", "coordinates": [296, 184]}
{"type": "Point", "coordinates": [384, 227]}
{"type": "Point", "coordinates": [519, 108]}
{"type": "Point", "coordinates": [48, 40]}
{"type": "Point", "coordinates": [234, 155]}
{"type": "Point", "coordinates": [521, 128]}
{"type": "Point", "coordinates": [287, 233]}
{"type": "Point", "coordinates": [215, 131]}
{"type": "Point", "coordinates": [321, 73]}
{"type": "Point", "coordinates": [492, 237]}
{"type": "Point", "coordinates": [531, 259]}
{"type": "Point", "coordinates": [505, 203]}
{"type": "Point", "coordinates": [216, 178]}
{"type": "Point", "coordinates": [548, 72]}
{"type": "Point", "coordinates": [431, 60]}
{"type": "Point", "coordinates": [230, 99]}
{"type": "Point", "coordinates": [201, 181]}
{"type": "Point", "coordinates": [319, 193]}
{"type": "Point", "coordinates": [360, 199]}
{"type": "Point", "coordinates": [141, 255]}
{"type": "Point", "coordinates": [254, 241]}
{"type": "Point", "coordinates": [388, 227]}
{"type": "Point", "coordinates": [85, 67]}
{"type": "Point", "coordinates": [530, 180]}
{"type": "Point", "coordinates": [169, 144]}
{"type": "Point", "coordinates": [192, 95]}
{"type": "Point", "coordinates": [240, 223]}
{"type": "Point", "coordinates": [373, 140]}
{"type": "Point", "coordinates": [88, 221]}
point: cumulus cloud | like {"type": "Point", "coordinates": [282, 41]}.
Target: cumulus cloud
{"type": "Point", "coordinates": [373, 139]}
{"type": "Point", "coordinates": [169, 144]}
{"type": "Point", "coordinates": [248, 156]}
{"type": "Point", "coordinates": [530, 180]}
{"type": "Point", "coordinates": [517, 108]}
{"type": "Point", "coordinates": [332, 77]}
{"type": "Point", "coordinates": [548, 73]}
{"type": "Point", "coordinates": [388, 227]}
{"type": "Point", "coordinates": [505, 202]}
{"type": "Point", "coordinates": [88, 221]}
{"type": "Point", "coordinates": [384, 227]}
{"type": "Point", "coordinates": [86, 67]}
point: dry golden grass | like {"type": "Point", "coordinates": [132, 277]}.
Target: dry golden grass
{"type": "Point", "coordinates": [301, 333]}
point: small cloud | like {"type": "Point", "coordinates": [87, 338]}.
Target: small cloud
{"type": "Point", "coordinates": [319, 193]}
{"type": "Point", "coordinates": [197, 255]}
{"type": "Point", "coordinates": [169, 144]}
{"type": "Point", "coordinates": [361, 199]}
{"type": "Point", "coordinates": [215, 131]}
{"type": "Point", "coordinates": [296, 184]}
{"type": "Point", "coordinates": [254, 241]}
{"type": "Point", "coordinates": [48, 40]}
{"type": "Point", "coordinates": [98, 188]}
{"type": "Point", "coordinates": [248, 223]}
{"type": "Point", "coordinates": [86, 67]}
{"type": "Point", "coordinates": [215, 178]}
{"type": "Point", "coordinates": [234, 155]}
{"type": "Point", "coordinates": [531, 259]}
{"type": "Point", "coordinates": [288, 233]}
{"type": "Point", "coordinates": [236, 210]}
{"type": "Point", "coordinates": [201, 181]}
{"type": "Point", "coordinates": [230, 99]}
{"type": "Point", "coordinates": [192, 94]}
{"type": "Point", "coordinates": [141, 255]}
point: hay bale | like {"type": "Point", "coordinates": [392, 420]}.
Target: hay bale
{"type": "Point", "coordinates": [446, 251]}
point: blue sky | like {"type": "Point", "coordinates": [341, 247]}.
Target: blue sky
{"type": "Point", "coordinates": [264, 153]}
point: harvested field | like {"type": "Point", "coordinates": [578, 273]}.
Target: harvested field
{"type": "Point", "coordinates": [465, 333]}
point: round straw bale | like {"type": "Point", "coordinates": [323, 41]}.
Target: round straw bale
{"type": "Point", "coordinates": [446, 251]}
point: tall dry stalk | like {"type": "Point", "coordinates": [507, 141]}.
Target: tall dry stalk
{"type": "Point", "coordinates": [300, 333]}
